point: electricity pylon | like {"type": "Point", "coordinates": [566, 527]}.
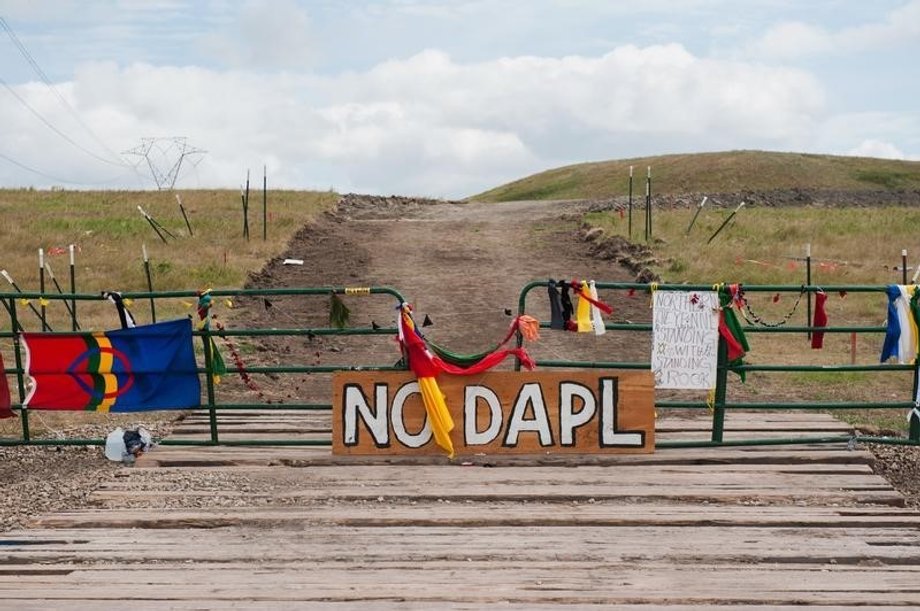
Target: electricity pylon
{"type": "Point", "coordinates": [165, 156]}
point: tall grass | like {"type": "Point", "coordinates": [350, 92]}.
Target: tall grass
{"type": "Point", "coordinates": [109, 231]}
{"type": "Point", "coordinates": [767, 246]}
{"type": "Point", "coordinates": [849, 246]}
{"type": "Point", "coordinates": [764, 246]}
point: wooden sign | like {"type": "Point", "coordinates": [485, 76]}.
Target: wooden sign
{"type": "Point", "coordinates": [685, 339]}
{"type": "Point", "coordinates": [575, 412]}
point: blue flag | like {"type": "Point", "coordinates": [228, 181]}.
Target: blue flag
{"type": "Point", "coordinates": [142, 368]}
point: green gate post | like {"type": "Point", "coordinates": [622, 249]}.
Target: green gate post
{"type": "Point", "coordinates": [914, 418]}
{"type": "Point", "coordinates": [718, 412]}
{"type": "Point", "coordinates": [209, 383]}
{"type": "Point", "coordinates": [20, 375]}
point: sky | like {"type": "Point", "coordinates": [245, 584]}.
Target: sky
{"type": "Point", "coordinates": [442, 98]}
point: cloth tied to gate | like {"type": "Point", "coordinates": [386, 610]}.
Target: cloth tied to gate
{"type": "Point", "coordinates": [819, 320]}
{"type": "Point", "coordinates": [427, 365]}
{"type": "Point", "coordinates": [901, 332]}
{"type": "Point", "coordinates": [731, 297]}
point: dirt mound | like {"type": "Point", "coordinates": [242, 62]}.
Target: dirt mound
{"type": "Point", "coordinates": [780, 198]}
{"type": "Point", "coordinates": [355, 206]}
{"type": "Point", "coordinates": [636, 258]}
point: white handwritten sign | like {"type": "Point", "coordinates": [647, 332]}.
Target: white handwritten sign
{"type": "Point", "coordinates": [685, 339]}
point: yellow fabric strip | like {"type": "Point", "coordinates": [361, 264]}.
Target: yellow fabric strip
{"type": "Point", "coordinates": [106, 360]}
{"type": "Point", "coordinates": [583, 311]}
{"type": "Point", "coordinates": [438, 416]}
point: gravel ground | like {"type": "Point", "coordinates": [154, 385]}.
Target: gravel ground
{"type": "Point", "coordinates": [900, 465]}
{"type": "Point", "coordinates": [42, 479]}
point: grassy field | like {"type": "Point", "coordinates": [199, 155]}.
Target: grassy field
{"type": "Point", "coordinates": [109, 232]}
{"type": "Point", "coordinates": [766, 245]}
{"type": "Point", "coordinates": [849, 246]}
{"type": "Point", "coordinates": [711, 173]}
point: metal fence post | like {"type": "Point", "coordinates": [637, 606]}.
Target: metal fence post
{"type": "Point", "coordinates": [718, 412]}
{"type": "Point", "coordinates": [20, 376]}
{"type": "Point", "coordinates": [914, 418]}
{"type": "Point", "coordinates": [209, 383]}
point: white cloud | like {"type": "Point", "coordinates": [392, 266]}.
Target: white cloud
{"type": "Point", "coordinates": [899, 26]}
{"type": "Point", "coordinates": [792, 40]}
{"type": "Point", "coordinates": [870, 134]}
{"type": "Point", "coordinates": [876, 148]}
{"type": "Point", "coordinates": [263, 34]}
{"type": "Point", "coordinates": [426, 124]}
{"type": "Point", "coordinates": [432, 125]}
{"type": "Point", "coordinates": [795, 39]}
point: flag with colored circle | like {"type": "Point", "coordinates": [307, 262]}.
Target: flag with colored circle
{"type": "Point", "coordinates": [150, 367]}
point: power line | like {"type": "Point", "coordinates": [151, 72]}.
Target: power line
{"type": "Point", "coordinates": [58, 178]}
{"type": "Point", "coordinates": [25, 52]}
{"type": "Point", "coordinates": [50, 126]}
{"type": "Point", "coordinates": [44, 78]}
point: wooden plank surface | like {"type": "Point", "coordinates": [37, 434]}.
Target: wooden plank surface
{"type": "Point", "coordinates": [766, 527]}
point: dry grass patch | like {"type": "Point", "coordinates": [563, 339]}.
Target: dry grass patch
{"type": "Point", "coordinates": [765, 246]}
{"type": "Point", "coordinates": [108, 232]}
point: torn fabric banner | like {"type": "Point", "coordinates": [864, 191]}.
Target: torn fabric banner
{"type": "Point", "coordinates": [150, 367]}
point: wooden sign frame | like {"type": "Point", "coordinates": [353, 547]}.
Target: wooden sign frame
{"type": "Point", "coordinates": [555, 412]}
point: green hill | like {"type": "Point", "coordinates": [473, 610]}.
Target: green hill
{"type": "Point", "coordinates": [712, 173]}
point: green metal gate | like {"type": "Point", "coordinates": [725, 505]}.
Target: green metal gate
{"type": "Point", "coordinates": [211, 403]}
{"type": "Point", "coordinates": [722, 403]}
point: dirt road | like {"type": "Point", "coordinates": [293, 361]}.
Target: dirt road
{"type": "Point", "coordinates": [461, 264]}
